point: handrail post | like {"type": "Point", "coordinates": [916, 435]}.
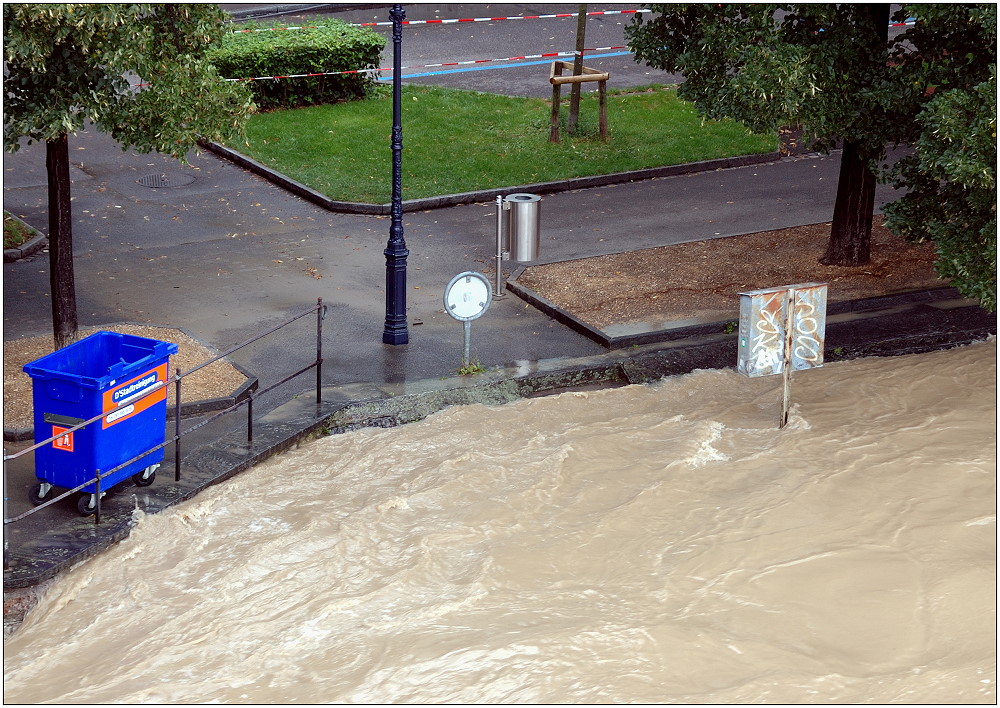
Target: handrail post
{"type": "Point", "coordinates": [97, 496]}
{"type": "Point", "coordinates": [319, 350]}
{"type": "Point", "coordinates": [250, 419]}
{"type": "Point", "coordinates": [177, 426]}
{"type": "Point", "coordinates": [6, 560]}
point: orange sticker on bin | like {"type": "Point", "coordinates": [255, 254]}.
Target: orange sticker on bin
{"type": "Point", "coordinates": [63, 440]}
{"type": "Point", "coordinates": [134, 393]}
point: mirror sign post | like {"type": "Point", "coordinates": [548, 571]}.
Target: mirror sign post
{"type": "Point", "coordinates": [466, 298]}
{"type": "Point", "coordinates": [782, 330]}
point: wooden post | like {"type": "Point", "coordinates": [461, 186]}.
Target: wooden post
{"type": "Point", "coordinates": [557, 79]}
{"type": "Point", "coordinates": [574, 94]}
{"type": "Point", "coordinates": [554, 129]}
{"type": "Point", "coordinates": [602, 94]}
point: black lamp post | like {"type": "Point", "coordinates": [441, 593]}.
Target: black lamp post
{"type": "Point", "coordinates": [396, 252]}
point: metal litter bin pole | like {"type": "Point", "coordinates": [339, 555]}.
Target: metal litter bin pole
{"type": "Point", "coordinates": [501, 251]}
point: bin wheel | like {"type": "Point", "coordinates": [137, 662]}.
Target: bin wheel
{"type": "Point", "coordinates": [146, 477]}
{"type": "Point", "coordinates": [87, 504]}
{"type": "Point", "coordinates": [39, 493]}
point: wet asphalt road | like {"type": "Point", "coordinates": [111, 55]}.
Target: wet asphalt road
{"type": "Point", "coordinates": [429, 44]}
{"type": "Point", "coordinates": [227, 255]}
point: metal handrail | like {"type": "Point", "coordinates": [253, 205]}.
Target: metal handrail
{"type": "Point", "coordinates": [79, 426]}
{"type": "Point", "coordinates": [319, 308]}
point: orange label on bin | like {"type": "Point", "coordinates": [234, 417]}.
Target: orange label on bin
{"type": "Point", "coordinates": [64, 441]}
{"type": "Point", "coordinates": [134, 395]}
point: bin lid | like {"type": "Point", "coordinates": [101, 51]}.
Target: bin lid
{"type": "Point", "coordinates": [521, 197]}
{"type": "Point", "coordinates": [102, 358]}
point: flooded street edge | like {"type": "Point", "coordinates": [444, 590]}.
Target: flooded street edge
{"type": "Point", "coordinates": [921, 325]}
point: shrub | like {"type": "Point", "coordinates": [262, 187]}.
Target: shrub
{"type": "Point", "coordinates": [326, 45]}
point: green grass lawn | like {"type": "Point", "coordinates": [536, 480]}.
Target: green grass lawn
{"type": "Point", "coordinates": [15, 233]}
{"type": "Point", "coordinates": [460, 141]}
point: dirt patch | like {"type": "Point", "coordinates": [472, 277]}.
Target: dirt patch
{"type": "Point", "coordinates": [216, 380]}
{"type": "Point", "coordinates": [704, 278]}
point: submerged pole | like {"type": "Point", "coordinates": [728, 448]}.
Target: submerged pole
{"type": "Point", "coordinates": [786, 380]}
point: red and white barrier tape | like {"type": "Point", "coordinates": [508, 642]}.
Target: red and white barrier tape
{"type": "Point", "coordinates": [497, 19]}
{"type": "Point", "coordinates": [450, 21]}
{"type": "Point", "coordinates": [429, 66]}
{"type": "Point", "coordinates": [462, 63]}
{"type": "Point", "coordinates": [908, 22]}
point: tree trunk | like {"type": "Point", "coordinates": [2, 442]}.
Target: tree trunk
{"type": "Point", "coordinates": [574, 94]}
{"type": "Point", "coordinates": [61, 283]}
{"type": "Point", "coordinates": [850, 234]}
{"type": "Point", "coordinates": [851, 231]}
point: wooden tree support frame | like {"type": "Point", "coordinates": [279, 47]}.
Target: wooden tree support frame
{"type": "Point", "coordinates": [557, 79]}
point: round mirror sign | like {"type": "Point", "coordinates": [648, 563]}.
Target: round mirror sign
{"type": "Point", "coordinates": [467, 296]}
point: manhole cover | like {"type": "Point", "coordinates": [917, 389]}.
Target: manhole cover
{"type": "Point", "coordinates": [165, 179]}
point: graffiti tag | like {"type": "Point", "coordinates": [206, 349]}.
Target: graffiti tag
{"type": "Point", "coordinates": [764, 321]}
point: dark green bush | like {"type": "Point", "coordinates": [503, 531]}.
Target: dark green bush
{"type": "Point", "coordinates": [326, 45]}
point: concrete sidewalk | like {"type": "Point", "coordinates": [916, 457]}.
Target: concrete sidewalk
{"type": "Point", "coordinates": [223, 254]}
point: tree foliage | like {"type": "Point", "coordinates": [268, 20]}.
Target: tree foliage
{"type": "Point", "coordinates": [830, 69]}
{"type": "Point", "coordinates": [68, 64]}
{"type": "Point", "coordinates": [136, 71]}
{"type": "Point", "coordinates": [814, 65]}
{"type": "Point", "coordinates": [950, 178]}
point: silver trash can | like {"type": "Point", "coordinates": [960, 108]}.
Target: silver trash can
{"type": "Point", "coordinates": [523, 232]}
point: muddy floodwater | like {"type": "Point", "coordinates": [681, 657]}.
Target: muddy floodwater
{"type": "Point", "coordinates": [648, 544]}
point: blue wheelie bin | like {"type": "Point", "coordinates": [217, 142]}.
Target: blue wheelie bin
{"type": "Point", "coordinates": [106, 372]}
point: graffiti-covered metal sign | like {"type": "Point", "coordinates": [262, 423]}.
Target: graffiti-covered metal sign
{"type": "Point", "coordinates": [780, 327]}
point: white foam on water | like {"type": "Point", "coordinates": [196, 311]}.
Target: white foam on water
{"type": "Point", "coordinates": [649, 544]}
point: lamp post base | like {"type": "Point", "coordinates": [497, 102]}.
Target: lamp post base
{"type": "Point", "coordinates": [395, 336]}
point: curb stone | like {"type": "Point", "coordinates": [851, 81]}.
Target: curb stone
{"type": "Point", "coordinates": [28, 248]}
{"type": "Point", "coordinates": [269, 10]}
{"type": "Point", "coordinates": [691, 329]}
{"type": "Point", "coordinates": [485, 195]}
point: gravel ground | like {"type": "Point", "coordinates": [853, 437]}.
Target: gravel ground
{"type": "Point", "coordinates": [214, 381]}
{"type": "Point", "coordinates": [704, 278]}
